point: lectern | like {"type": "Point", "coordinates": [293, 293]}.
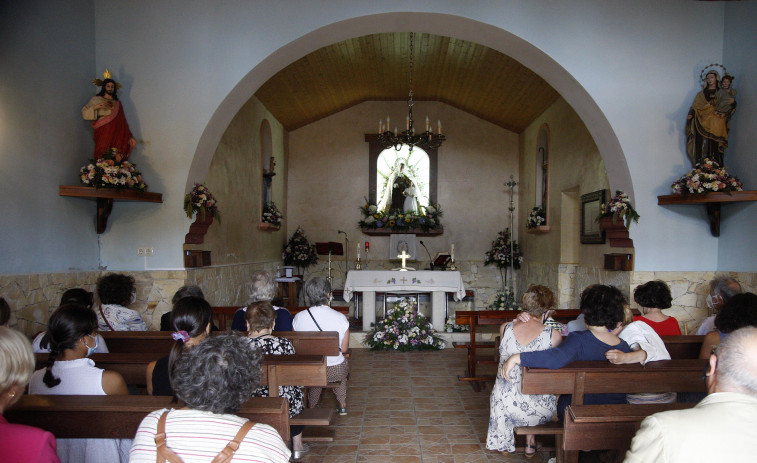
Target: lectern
{"type": "Point", "coordinates": [331, 248]}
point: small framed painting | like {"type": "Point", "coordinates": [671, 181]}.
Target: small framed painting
{"type": "Point", "coordinates": [591, 203]}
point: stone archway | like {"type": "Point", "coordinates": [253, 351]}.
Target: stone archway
{"type": "Point", "coordinates": [435, 23]}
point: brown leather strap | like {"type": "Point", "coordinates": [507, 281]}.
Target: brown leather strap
{"type": "Point", "coordinates": [105, 318]}
{"type": "Point", "coordinates": [225, 455]}
{"type": "Point", "coordinates": [164, 453]}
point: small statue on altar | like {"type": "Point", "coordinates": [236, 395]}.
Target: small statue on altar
{"type": "Point", "coordinates": [108, 120]}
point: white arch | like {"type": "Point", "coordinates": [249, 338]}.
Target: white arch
{"type": "Point", "coordinates": [434, 23]}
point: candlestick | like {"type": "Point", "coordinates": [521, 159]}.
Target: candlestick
{"type": "Point", "coordinates": [367, 246]}
{"type": "Point", "coordinates": [358, 251]}
{"type": "Point", "coordinates": [452, 251]}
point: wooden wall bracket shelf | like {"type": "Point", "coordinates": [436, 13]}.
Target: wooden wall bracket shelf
{"type": "Point", "coordinates": [410, 231]}
{"type": "Point", "coordinates": [105, 198]}
{"type": "Point", "coordinates": [712, 201]}
{"type": "Point", "coordinates": [538, 230]}
{"type": "Point", "coordinates": [267, 226]}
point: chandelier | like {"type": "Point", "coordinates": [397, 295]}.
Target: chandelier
{"type": "Point", "coordinates": [427, 139]}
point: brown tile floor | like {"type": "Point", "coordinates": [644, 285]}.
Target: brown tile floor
{"type": "Point", "coordinates": [410, 407]}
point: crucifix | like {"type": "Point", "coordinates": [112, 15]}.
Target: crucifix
{"type": "Point", "coordinates": [404, 256]}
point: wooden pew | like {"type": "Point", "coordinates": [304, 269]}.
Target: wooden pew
{"type": "Point", "coordinates": [118, 417]}
{"type": "Point", "coordinates": [474, 318]}
{"type": "Point", "coordinates": [224, 315]}
{"type": "Point", "coordinates": [611, 426]}
{"type": "Point", "coordinates": [598, 377]}
{"type": "Point", "coordinates": [304, 342]}
{"type": "Point", "coordinates": [683, 347]}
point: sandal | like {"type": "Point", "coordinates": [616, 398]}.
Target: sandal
{"type": "Point", "coordinates": [530, 455]}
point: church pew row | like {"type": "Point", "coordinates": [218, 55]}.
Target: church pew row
{"type": "Point", "coordinates": [304, 342]}
{"type": "Point", "coordinates": [278, 370]}
{"type": "Point", "coordinates": [223, 316]}
{"type": "Point", "coordinates": [118, 417]}
{"type": "Point", "coordinates": [597, 377]}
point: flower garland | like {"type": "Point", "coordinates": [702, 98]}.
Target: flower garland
{"type": "Point", "coordinates": [706, 176]}
{"type": "Point", "coordinates": [426, 219]}
{"type": "Point", "coordinates": [298, 251]}
{"type": "Point", "coordinates": [200, 199]}
{"type": "Point", "coordinates": [112, 171]}
{"type": "Point", "coordinates": [404, 329]}
{"type": "Point", "coordinates": [620, 209]}
{"type": "Point", "coordinates": [536, 218]}
{"type": "Point", "coordinates": [504, 300]}
{"type": "Point", "coordinates": [499, 254]}
{"type": "Point", "coordinates": [271, 214]}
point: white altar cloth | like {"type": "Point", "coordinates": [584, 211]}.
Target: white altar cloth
{"type": "Point", "coordinates": [438, 283]}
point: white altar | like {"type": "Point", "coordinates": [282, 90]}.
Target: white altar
{"type": "Point", "coordinates": [439, 283]}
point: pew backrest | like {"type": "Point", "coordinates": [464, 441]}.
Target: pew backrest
{"type": "Point", "coordinates": [118, 417]}
{"type": "Point", "coordinates": [683, 347]}
{"type": "Point", "coordinates": [599, 377]}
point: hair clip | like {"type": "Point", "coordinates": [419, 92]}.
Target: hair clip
{"type": "Point", "coordinates": [182, 336]}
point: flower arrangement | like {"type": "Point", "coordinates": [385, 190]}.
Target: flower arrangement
{"type": "Point", "coordinates": [504, 300]}
{"type": "Point", "coordinates": [426, 219]}
{"type": "Point", "coordinates": [112, 171]}
{"type": "Point", "coordinates": [298, 251]}
{"type": "Point", "coordinates": [620, 209]}
{"type": "Point", "coordinates": [404, 329]}
{"type": "Point", "coordinates": [706, 176]}
{"type": "Point", "coordinates": [200, 199]}
{"type": "Point", "coordinates": [536, 218]}
{"type": "Point", "coordinates": [451, 327]}
{"type": "Point", "coordinates": [271, 214]}
{"type": "Point", "coordinates": [499, 254]}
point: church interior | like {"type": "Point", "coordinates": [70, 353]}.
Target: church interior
{"type": "Point", "coordinates": [282, 102]}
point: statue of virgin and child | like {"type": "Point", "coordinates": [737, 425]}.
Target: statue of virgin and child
{"type": "Point", "coordinates": [400, 191]}
{"type": "Point", "coordinates": [709, 119]}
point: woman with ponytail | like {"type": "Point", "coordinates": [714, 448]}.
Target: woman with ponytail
{"type": "Point", "coordinates": [190, 318]}
{"type": "Point", "coordinates": [72, 334]}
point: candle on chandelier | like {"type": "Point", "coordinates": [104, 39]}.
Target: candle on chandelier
{"type": "Point", "coordinates": [439, 127]}
{"type": "Point", "coordinates": [407, 122]}
{"type": "Point", "coordinates": [387, 122]}
{"type": "Point", "coordinates": [427, 124]}
{"type": "Point", "coordinates": [380, 127]}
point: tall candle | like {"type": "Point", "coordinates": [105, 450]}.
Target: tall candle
{"type": "Point", "coordinates": [452, 251]}
{"type": "Point", "coordinates": [358, 250]}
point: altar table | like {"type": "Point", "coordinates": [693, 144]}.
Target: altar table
{"type": "Point", "coordinates": [438, 283]}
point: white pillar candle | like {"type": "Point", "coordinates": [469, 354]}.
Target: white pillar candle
{"type": "Point", "coordinates": [452, 251]}
{"type": "Point", "coordinates": [358, 250]}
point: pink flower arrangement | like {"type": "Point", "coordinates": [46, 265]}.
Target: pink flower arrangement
{"type": "Point", "coordinates": [200, 199]}
{"type": "Point", "coordinates": [110, 171]}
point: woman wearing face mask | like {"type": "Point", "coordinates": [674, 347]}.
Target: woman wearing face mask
{"type": "Point", "coordinates": [116, 291]}
{"type": "Point", "coordinates": [72, 336]}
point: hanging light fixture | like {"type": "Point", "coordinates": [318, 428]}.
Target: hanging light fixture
{"type": "Point", "coordinates": [427, 139]}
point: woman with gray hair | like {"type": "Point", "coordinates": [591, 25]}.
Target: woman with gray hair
{"type": "Point", "coordinates": [264, 287]}
{"type": "Point", "coordinates": [321, 317]}
{"type": "Point", "coordinates": [214, 379]}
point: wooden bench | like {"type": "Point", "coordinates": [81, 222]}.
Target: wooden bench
{"type": "Point", "coordinates": [599, 377]}
{"type": "Point", "coordinates": [304, 342]}
{"type": "Point", "coordinates": [474, 318]}
{"type": "Point", "coordinates": [223, 316]}
{"type": "Point", "coordinates": [683, 347]}
{"type": "Point", "coordinates": [610, 426]}
{"type": "Point", "coordinates": [118, 417]}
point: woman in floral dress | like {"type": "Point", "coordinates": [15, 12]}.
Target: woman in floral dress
{"type": "Point", "coordinates": [509, 407]}
{"type": "Point", "coordinates": [260, 318]}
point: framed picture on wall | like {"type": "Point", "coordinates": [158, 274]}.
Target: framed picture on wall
{"type": "Point", "coordinates": [591, 232]}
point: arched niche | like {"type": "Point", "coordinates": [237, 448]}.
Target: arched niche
{"type": "Point", "coordinates": [435, 23]}
{"type": "Point", "coordinates": [267, 164]}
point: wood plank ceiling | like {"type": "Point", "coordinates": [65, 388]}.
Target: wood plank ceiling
{"type": "Point", "coordinates": [468, 76]}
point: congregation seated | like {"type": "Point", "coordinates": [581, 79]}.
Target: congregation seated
{"type": "Point", "coordinates": [722, 288]}
{"type": "Point", "coordinates": [321, 317]}
{"type": "Point", "coordinates": [509, 407]}
{"type": "Point", "coordinates": [739, 311]}
{"type": "Point", "coordinates": [653, 296]}
{"type": "Point", "coordinates": [72, 335]}
{"type": "Point", "coordinates": [260, 318]}
{"type": "Point", "coordinates": [18, 442]}
{"type": "Point", "coordinates": [116, 291]}
{"type": "Point", "coordinates": [602, 307]}
{"type": "Point", "coordinates": [41, 344]}
{"type": "Point", "coordinates": [190, 323]}
{"type": "Point", "coordinates": [263, 285]}
{"type": "Point", "coordinates": [213, 379]}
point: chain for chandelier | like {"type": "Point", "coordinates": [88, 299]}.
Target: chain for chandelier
{"type": "Point", "coordinates": [427, 139]}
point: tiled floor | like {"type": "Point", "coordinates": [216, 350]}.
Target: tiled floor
{"type": "Point", "coordinates": [410, 407]}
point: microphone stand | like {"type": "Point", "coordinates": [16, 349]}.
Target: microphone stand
{"type": "Point", "coordinates": [430, 260]}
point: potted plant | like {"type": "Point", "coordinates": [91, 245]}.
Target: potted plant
{"type": "Point", "coordinates": [299, 252]}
